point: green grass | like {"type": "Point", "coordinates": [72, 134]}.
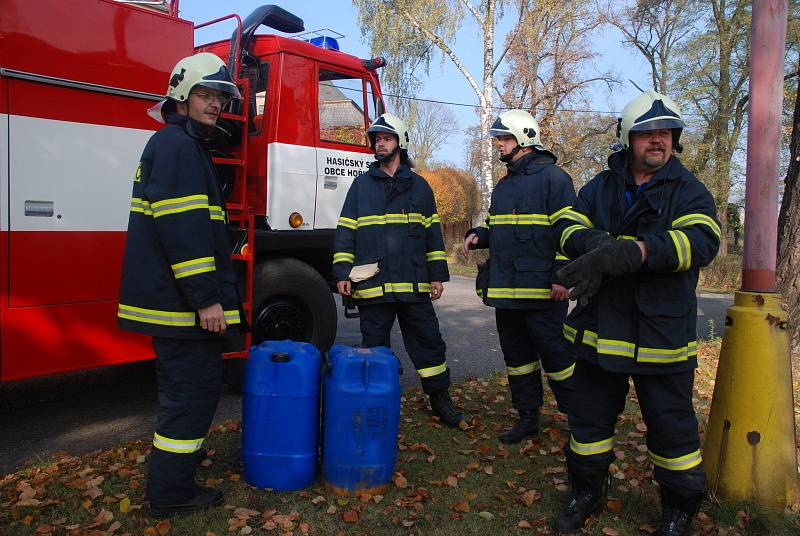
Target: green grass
{"type": "Point", "coordinates": [457, 482]}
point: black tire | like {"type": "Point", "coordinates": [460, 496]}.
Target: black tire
{"type": "Point", "coordinates": [292, 301]}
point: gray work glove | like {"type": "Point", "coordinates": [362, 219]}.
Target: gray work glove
{"type": "Point", "coordinates": [585, 274]}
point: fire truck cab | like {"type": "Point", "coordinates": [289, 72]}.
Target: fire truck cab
{"type": "Point", "coordinates": [76, 81]}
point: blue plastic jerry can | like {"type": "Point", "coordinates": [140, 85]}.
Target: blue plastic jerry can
{"type": "Point", "coordinates": [280, 415]}
{"type": "Point", "coordinates": [361, 419]}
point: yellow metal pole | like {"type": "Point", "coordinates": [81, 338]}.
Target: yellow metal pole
{"type": "Point", "coordinates": [749, 452]}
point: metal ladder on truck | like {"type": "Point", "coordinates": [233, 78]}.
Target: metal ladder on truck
{"type": "Point", "coordinates": [240, 216]}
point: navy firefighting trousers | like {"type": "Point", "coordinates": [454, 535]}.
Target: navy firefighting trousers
{"type": "Point", "coordinates": [673, 441]}
{"type": "Point", "coordinates": [189, 374]}
{"type": "Point", "coordinates": [421, 336]}
{"type": "Point", "coordinates": [532, 339]}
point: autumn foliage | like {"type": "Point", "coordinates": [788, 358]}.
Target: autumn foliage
{"type": "Point", "coordinates": [456, 193]}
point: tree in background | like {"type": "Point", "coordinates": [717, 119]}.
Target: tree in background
{"type": "Point", "coordinates": [550, 61]}
{"type": "Point", "coordinates": [431, 125]}
{"type": "Point", "coordinates": [788, 266]}
{"type": "Point", "coordinates": [408, 32]}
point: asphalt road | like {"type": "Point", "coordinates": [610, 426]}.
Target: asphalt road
{"type": "Point", "coordinates": [97, 409]}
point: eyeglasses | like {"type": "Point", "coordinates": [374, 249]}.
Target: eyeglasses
{"type": "Point", "coordinates": [208, 98]}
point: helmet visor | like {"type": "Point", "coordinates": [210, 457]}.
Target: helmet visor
{"type": "Point", "coordinates": [658, 124]}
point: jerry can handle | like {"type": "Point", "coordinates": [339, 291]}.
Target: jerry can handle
{"type": "Point", "coordinates": [350, 309]}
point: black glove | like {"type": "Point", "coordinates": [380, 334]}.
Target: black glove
{"type": "Point", "coordinates": [594, 238]}
{"type": "Point", "coordinates": [585, 274]}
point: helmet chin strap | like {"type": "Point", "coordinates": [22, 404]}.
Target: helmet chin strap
{"type": "Point", "coordinates": [388, 156]}
{"type": "Point", "coordinates": [506, 158]}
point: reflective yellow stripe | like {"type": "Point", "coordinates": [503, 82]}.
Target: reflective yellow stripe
{"type": "Point", "coordinates": [524, 369]}
{"type": "Point", "coordinates": [566, 234]}
{"type": "Point", "coordinates": [347, 222]}
{"type": "Point", "coordinates": [519, 293]}
{"type": "Point", "coordinates": [194, 266]}
{"type": "Point", "coordinates": [574, 215]}
{"type": "Point", "coordinates": [179, 204]}
{"type": "Point", "coordinates": [430, 221]}
{"type": "Point", "coordinates": [683, 250]}
{"type": "Point", "coordinates": [519, 219]}
{"type": "Point", "coordinates": [588, 449]}
{"type": "Point", "coordinates": [560, 257]}
{"type": "Point", "coordinates": [232, 317]}
{"type": "Point", "coordinates": [570, 333]}
{"type": "Point", "coordinates": [154, 316]}
{"type": "Point", "coordinates": [432, 371]}
{"type": "Point", "coordinates": [666, 355]}
{"type": "Point", "coordinates": [697, 219]}
{"type": "Point", "coordinates": [555, 216]}
{"type": "Point", "coordinates": [341, 256]}
{"type": "Point", "coordinates": [615, 347]}
{"type": "Point", "coordinates": [388, 219]}
{"type": "Point", "coordinates": [681, 463]}
{"type": "Point", "coordinates": [435, 256]}
{"type": "Point", "coordinates": [561, 375]}
{"type": "Point", "coordinates": [625, 237]}
{"type": "Point", "coordinates": [216, 213]}
{"type": "Point", "coordinates": [140, 205]}
{"type": "Point", "coordinates": [590, 338]}
{"type": "Point", "coordinates": [375, 292]}
{"type": "Point", "coordinates": [179, 446]}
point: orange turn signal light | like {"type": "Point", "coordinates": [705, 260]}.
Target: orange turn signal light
{"type": "Point", "coordinates": [295, 220]}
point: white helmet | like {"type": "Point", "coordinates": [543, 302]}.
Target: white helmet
{"type": "Point", "coordinates": [650, 111]}
{"type": "Point", "coordinates": [203, 69]}
{"type": "Point", "coordinates": [521, 125]}
{"type": "Point", "coordinates": [393, 125]}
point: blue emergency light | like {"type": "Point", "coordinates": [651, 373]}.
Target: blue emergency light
{"type": "Point", "coordinates": [325, 41]}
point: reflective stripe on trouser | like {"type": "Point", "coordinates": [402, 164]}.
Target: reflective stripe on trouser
{"type": "Point", "coordinates": [666, 404]}
{"type": "Point", "coordinates": [421, 337]}
{"type": "Point", "coordinates": [530, 336]}
{"type": "Point", "coordinates": [189, 374]}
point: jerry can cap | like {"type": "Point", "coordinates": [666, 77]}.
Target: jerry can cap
{"type": "Point", "coordinates": [280, 357]}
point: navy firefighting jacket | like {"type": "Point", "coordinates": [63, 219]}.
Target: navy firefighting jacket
{"type": "Point", "coordinates": [643, 323]}
{"type": "Point", "coordinates": [391, 221]}
{"type": "Point", "coordinates": [523, 245]}
{"type": "Point", "coordinates": [177, 255]}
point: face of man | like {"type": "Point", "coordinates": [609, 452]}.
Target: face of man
{"type": "Point", "coordinates": [651, 149]}
{"type": "Point", "coordinates": [385, 143]}
{"type": "Point", "coordinates": [205, 104]}
{"type": "Point", "coordinates": [505, 144]}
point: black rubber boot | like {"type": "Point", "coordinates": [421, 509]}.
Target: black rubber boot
{"type": "Point", "coordinates": [526, 426]}
{"type": "Point", "coordinates": [443, 407]}
{"type": "Point", "coordinates": [205, 498]}
{"type": "Point", "coordinates": [582, 502]}
{"type": "Point", "coordinates": [678, 513]}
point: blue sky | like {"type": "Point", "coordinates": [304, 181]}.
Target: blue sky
{"type": "Point", "coordinates": [444, 81]}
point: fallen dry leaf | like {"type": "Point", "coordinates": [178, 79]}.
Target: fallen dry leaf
{"type": "Point", "coordinates": [615, 505]}
{"type": "Point", "coordinates": [318, 499]}
{"type": "Point", "coordinates": [163, 527]}
{"type": "Point", "coordinates": [400, 481]}
{"type": "Point", "coordinates": [488, 516]}
{"type": "Point", "coordinates": [530, 497]}
{"type": "Point", "coordinates": [124, 505]}
{"type": "Point", "coordinates": [460, 506]}
{"type": "Point", "coordinates": [608, 531]}
{"type": "Point", "coordinates": [489, 470]}
{"type": "Point", "coordinates": [648, 529]}
{"type": "Point", "coordinates": [350, 516]}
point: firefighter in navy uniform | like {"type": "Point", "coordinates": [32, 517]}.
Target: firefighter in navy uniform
{"type": "Point", "coordinates": [639, 231]}
{"type": "Point", "coordinates": [519, 280]}
{"type": "Point", "coordinates": [178, 283]}
{"type": "Point", "coordinates": [389, 257]}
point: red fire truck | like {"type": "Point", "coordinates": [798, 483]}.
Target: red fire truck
{"type": "Point", "coordinates": [76, 81]}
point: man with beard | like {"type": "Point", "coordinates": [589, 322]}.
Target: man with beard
{"type": "Point", "coordinates": [640, 232]}
{"type": "Point", "coordinates": [389, 257]}
{"type": "Point", "coordinates": [519, 280]}
{"type": "Point", "coordinates": [178, 283]}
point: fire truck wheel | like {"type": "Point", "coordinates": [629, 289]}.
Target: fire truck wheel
{"type": "Point", "coordinates": [292, 301]}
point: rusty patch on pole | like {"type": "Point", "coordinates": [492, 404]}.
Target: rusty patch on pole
{"type": "Point", "coordinates": [773, 320]}
{"type": "Point", "coordinates": [759, 299]}
{"type": "Point", "coordinates": [753, 437]}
